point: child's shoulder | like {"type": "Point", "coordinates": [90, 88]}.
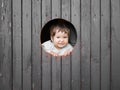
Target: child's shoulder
{"type": "Point", "coordinates": [47, 46]}
{"type": "Point", "coordinates": [47, 42]}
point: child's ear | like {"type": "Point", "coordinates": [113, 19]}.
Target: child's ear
{"type": "Point", "coordinates": [51, 38]}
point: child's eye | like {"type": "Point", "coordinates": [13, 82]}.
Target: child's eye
{"type": "Point", "coordinates": [65, 37]}
{"type": "Point", "coordinates": [58, 37]}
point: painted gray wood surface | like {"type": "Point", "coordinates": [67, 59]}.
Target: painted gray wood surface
{"type": "Point", "coordinates": [105, 45]}
{"type": "Point", "coordinates": [95, 45]}
{"type": "Point", "coordinates": [115, 44]}
{"type": "Point", "coordinates": [85, 44]}
{"type": "Point", "coordinates": [35, 45]}
{"type": "Point", "coordinates": [6, 75]}
{"type": "Point", "coordinates": [17, 45]}
{"type": "Point", "coordinates": [26, 44]}
{"type": "Point", "coordinates": [94, 62]}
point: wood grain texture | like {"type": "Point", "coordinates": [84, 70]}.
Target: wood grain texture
{"type": "Point", "coordinates": [35, 45]}
{"type": "Point", "coordinates": [5, 45]}
{"type": "Point", "coordinates": [105, 45]}
{"type": "Point", "coordinates": [95, 45]}
{"type": "Point", "coordinates": [115, 44]}
{"type": "Point", "coordinates": [17, 45]}
{"type": "Point", "coordinates": [85, 40]}
{"type": "Point", "coordinates": [26, 44]}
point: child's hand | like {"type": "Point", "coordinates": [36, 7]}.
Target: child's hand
{"type": "Point", "coordinates": [53, 53]}
{"type": "Point", "coordinates": [67, 53]}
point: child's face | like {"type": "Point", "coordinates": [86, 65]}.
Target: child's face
{"type": "Point", "coordinates": [60, 39]}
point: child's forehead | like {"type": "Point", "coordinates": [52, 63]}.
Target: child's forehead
{"type": "Point", "coordinates": [60, 30]}
{"type": "Point", "coordinates": [61, 33]}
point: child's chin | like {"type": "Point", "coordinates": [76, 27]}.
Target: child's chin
{"type": "Point", "coordinates": [61, 47]}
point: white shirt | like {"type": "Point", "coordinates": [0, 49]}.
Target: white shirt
{"type": "Point", "coordinates": [49, 46]}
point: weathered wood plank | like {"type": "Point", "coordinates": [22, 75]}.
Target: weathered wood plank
{"type": "Point", "coordinates": [105, 45]}
{"type": "Point", "coordinates": [26, 46]}
{"type": "Point", "coordinates": [85, 40]}
{"type": "Point", "coordinates": [66, 73]}
{"type": "Point", "coordinates": [75, 19]}
{"type": "Point", "coordinates": [46, 58]}
{"type": "Point", "coordinates": [66, 61]}
{"type": "Point", "coordinates": [17, 69]}
{"type": "Point", "coordinates": [115, 40]}
{"type": "Point", "coordinates": [56, 9]}
{"type": "Point", "coordinates": [46, 71]}
{"type": "Point", "coordinates": [65, 9]}
{"type": "Point", "coordinates": [56, 73]}
{"type": "Point", "coordinates": [95, 44]}
{"type": "Point", "coordinates": [5, 45]}
{"type": "Point", "coordinates": [36, 50]}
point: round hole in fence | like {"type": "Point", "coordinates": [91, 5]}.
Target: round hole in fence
{"type": "Point", "coordinates": [58, 37]}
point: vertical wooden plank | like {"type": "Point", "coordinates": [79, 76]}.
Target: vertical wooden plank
{"type": "Point", "coordinates": [56, 62]}
{"type": "Point", "coordinates": [75, 19]}
{"type": "Point", "coordinates": [66, 73]}
{"type": "Point", "coordinates": [85, 40]}
{"type": "Point", "coordinates": [56, 73]}
{"type": "Point", "coordinates": [36, 50]}
{"type": "Point", "coordinates": [105, 45]}
{"type": "Point", "coordinates": [95, 45]}
{"type": "Point", "coordinates": [1, 45]}
{"type": "Point", "coordinates": [26, 33]}
{"type": "Point", "coordinates": [66, 9]}
{"type": "Point", "coordinates": [46, 72]}
{"type": "Point", "coordinates": [46, 58]}
{"type": "Point", "coordinates": [115, 39]}
{"type": "Point", "coordinates": [66, 61]}
{"type": "Point", "coordinates": [5, 45]}
{"type": "Point", "coordinates": [56, 9]}
{"type": "Point", "coordinates": [17, 73]}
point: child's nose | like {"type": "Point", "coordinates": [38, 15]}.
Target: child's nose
{"type": "Point", "coordinates": [61, 40]}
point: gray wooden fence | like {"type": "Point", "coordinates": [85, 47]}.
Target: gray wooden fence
{"type": "Point", "coordinates": [94, 63]}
